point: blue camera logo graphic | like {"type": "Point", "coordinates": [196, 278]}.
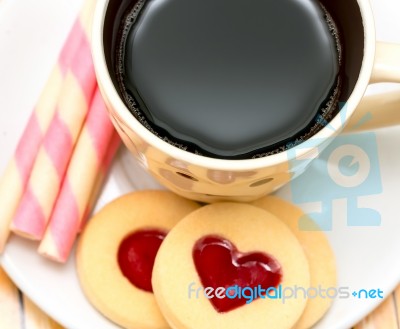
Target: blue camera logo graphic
{"type": "Point", "coordinates": [347, 168]}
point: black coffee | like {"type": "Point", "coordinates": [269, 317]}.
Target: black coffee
{"type": "Point", "coordinates": [229, 78]}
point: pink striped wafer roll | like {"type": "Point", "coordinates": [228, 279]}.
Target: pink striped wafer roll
{"type": "Point", "coordinates": [53, 157]}
{"type": "Point", "coordinates": [80, 180]}
{"type": "Point", "coordinates": [97, 189]}
{"type": "Point", "coordinates": [112, 150]}
{"type": "Point", "coordinates": [66, 242]}
{"type": "Point", "coordinates": [16, 175]}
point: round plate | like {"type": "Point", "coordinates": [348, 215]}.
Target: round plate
{"type": "Point", "coordinates": [365, 241]}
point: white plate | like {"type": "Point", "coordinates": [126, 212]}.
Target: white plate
{"type": "Point", "coordinates": [31, 34]}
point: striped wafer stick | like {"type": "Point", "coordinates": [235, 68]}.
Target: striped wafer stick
{"type": "Point", "coordinates": [16, 175]}
{"type": "Point", "coordinates": [112, 150]}
{"type": "Point", "coordinates": [97, 188]}
{"type": "Point", "coordinates": [67, 241]}
{"type": "Point", "coordinates": [53, 157]}
{"type": "Point", "coordinates": [79, 182]}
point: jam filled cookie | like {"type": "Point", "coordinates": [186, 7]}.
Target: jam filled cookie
{"type": "Point", "coordinates": [317, 249]}
{"type": "Point", "coordinates": [225, 265]}
{"type": "Point", "coordinates": [116, 254]}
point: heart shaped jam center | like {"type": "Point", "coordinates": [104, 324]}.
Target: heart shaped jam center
{"type": "Point", "coordinates": [136, 255]}
{"type": "Point", "coordinates": [219, 264]}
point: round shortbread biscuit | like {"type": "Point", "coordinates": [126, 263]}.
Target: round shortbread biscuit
{"type": "Point", "coordinates": [319, 253]}
{"type": "Point", "coordinates": [251, 230]}
{"type": "Point", "coordinates": [98, 269]}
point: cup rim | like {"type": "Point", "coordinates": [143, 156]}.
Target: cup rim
{"type": "Point", "coordinates": [299, 151]}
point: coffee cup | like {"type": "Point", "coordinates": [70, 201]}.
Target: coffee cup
{"type": "Point", "coordinates": [210, 179]}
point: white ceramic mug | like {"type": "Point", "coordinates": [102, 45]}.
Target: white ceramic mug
{"type": "Point", "coordinates": [208, 179]}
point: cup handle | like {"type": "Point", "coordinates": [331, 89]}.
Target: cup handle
{"type": "Point", "coordinates": [380, 110]}
{"type": "Point", "coordinates": [387, 63]}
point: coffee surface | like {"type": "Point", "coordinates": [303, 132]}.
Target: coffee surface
{"type": "Point", "coordinates": [229, 78]}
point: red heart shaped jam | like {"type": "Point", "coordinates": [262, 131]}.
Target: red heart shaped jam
{"type": "Point", "coordinates": [136, 255]}
{"type": "Point", "coordinates": [220, 264]}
